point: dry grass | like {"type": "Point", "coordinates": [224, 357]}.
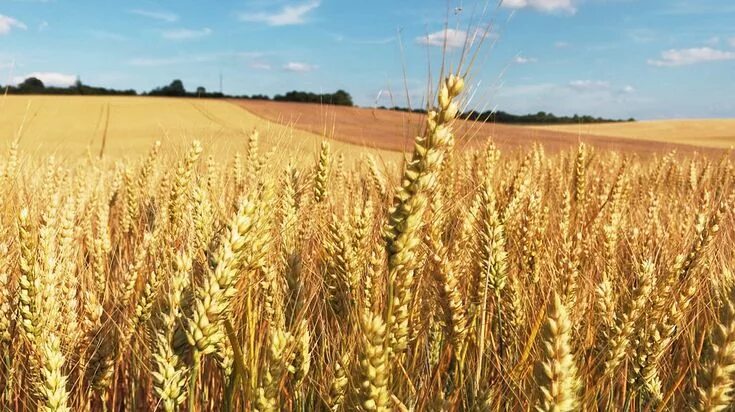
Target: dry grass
{"type": "Point", "coordinates": [718, 133]}
{"type": "Point", "coordinates": [477, 279]}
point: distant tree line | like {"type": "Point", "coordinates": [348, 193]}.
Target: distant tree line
{"type": "Point", "coordinates": [537, 118]}
{"type": "Point", "coordinates": [338, 98]}
{"type": "Point", "coordinates": [33, 85]}
{"type": "Point", "coordinates": [177, 89]}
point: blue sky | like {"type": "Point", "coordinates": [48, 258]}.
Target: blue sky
{"type": "Point", "coordinates": [617, 58]}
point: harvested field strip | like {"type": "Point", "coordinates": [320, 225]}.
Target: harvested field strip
{"type": "Point", "coordinates": [393, 130]}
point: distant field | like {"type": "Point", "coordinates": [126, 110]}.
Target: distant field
{"type": "Point", "coordinates": [76, 125]}
{"type": "Point", "coordinates": [718, 133]}
{"type": "Point", "coordinates": [394, 130]}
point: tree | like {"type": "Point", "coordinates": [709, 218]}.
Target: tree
{"type": "Point", "coordinates": [176, 88]}
{"type": "Point", "coordinates": [31, 83]}
{"type": "Point", "coordinates": [201, 91]}
{"type": "Point", "coordinates": [342, 98]}
{"type": "Point", "coordinates": [78, 86]}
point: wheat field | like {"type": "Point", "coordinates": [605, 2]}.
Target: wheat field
{"type": "Point", "coordinates": [69, 127]}
{"type": "Point", "coordinates": [718, 133]}
{"type": "Point", "coordinates": [474, 280]}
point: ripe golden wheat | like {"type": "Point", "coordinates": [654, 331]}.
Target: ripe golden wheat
{"type": "Point", "coordinates": [470, 279]}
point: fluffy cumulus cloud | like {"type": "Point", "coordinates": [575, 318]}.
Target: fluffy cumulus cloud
{"type": "Point", "coordinates": [186, 34]}
{"type": "Point", "coordinates": [287, 15]}
{"type": "Point", "coordinates": [546, 6]}
{"type": "Point", "coordinates": [685, 57]}
{"type": "Point", "coordinates": [49, 78]}
{"type": "Point", "coordinates": [452, 38]}
{"type": "Point", "coordinates": [299, 67]}
{"type": "Point", "coordinates": [8, 23]}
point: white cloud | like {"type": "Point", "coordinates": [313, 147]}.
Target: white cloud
{"type": "Point", "coordinates": [156, 15]}
{"type": "Point", "coordinates": [43, 26]}
{"type": "Point", "coordinates": [684, 57]}
{"type": "Point", "coordinates": [561, 45]}
{"type": "Point", "coordinates": [49, 78]}
{"type": "Point", "coordinates": [452, 38]}
{"type": "Point", "coordinates": [186, 34]}
{"type": "Point", "coordinates": [260, 66]}
{"type": "Point", "coordinates": [524, 60]}
{"type": "Point", "coordinates": [288, 15]}
{"type": "Point", "coordinates": [589, 85]}
{"type": "Point", "coordinates": [8, 23]}
{"type": "Point", "coordinates": [628, 89]}
{"type": "Point", "coordinates": [299, 67]}
{"type": "Point", "coordinates": [546, 6]}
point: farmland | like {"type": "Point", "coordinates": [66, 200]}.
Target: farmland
{"type": "Point", "coordinates": [395, 130]}
{"type": "Point", "coordinates": [717, 133]}
{"type": "Point", "coordinates": [77, 126]}
{"type": "Point", "coordinates": [497, 275]}
{"type": "Point", "coordinates": [201, 211]}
